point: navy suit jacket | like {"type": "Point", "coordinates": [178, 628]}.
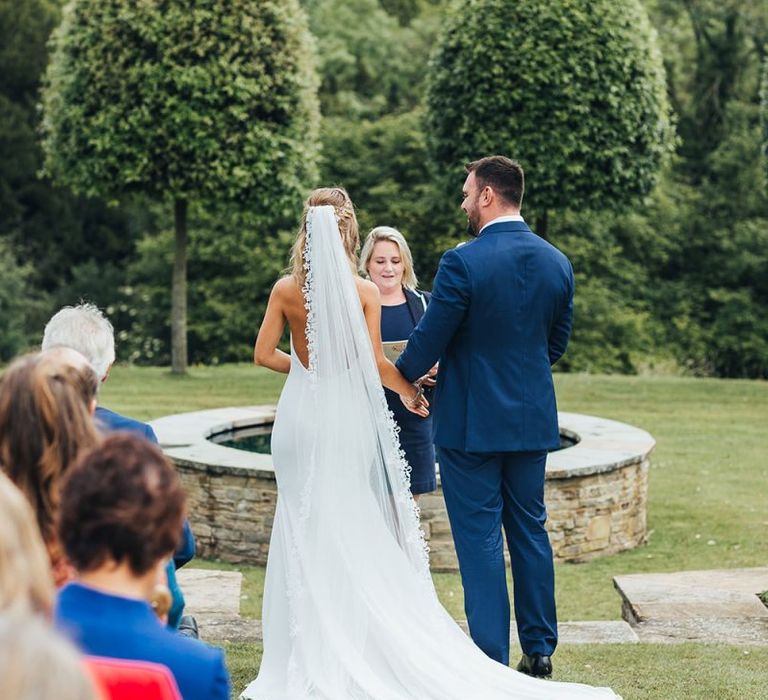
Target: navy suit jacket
{"type": "Point", "coordinates": [112, 422]}
{"type": "Point", "coordinates": [124, 628]}
{"type": "Point", "coordinates": [499, 318]}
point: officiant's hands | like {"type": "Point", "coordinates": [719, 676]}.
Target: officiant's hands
{"type": "Point", "coordinates": [417, 403]}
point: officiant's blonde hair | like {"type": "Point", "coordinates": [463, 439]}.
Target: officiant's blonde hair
{"type": "Point", "coordinates": [338, 198]}
{"type": "Point", "coordinates": [387, 233]}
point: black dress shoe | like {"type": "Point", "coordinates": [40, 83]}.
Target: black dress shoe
{"type": "Point", "coordinates": [535, 665]}
{"type": "Point", "coordinates": [188, 627]}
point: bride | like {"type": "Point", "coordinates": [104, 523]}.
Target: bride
{"type": "Point", "coordinates": [350, 611]}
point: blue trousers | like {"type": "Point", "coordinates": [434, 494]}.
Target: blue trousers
{"type": "Point", "coordinates": [485, 492]}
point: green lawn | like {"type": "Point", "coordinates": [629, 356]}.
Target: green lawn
{"type": "Point", "coordinates": [708, 508]}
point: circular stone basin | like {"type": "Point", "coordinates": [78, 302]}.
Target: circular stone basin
{"type": "Point", "coordinates": [258, 439]}
{"type": "Point", "coordinates": [596, 486]}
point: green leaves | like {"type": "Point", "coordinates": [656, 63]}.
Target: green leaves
{"type": "Point", "coordinates": [179, 100]}
{"type": "Point", "coordinates": [575, 91]}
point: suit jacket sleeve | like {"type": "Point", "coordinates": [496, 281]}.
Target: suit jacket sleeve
{"type": "Point", "coordinates": [561, 329]}
{"type": "Point", "coordinates": [444, 314]}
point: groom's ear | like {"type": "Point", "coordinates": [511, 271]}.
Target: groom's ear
{"type": "Point", "coordinates": [486, 195]}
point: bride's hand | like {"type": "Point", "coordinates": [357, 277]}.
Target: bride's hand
{"type": "Point", "coordinates": [417, 404]}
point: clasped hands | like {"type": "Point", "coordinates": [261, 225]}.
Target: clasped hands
{"type": "Point", "coordinates": [418, 403]}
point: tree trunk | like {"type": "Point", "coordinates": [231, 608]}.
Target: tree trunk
{"type": "Point", "coordinates": [542, 221]}
{"type": "Point", "coordinates": [179, 291]}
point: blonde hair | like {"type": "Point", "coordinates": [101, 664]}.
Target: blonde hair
{"type": "Point", "coordinates": [387, 233]}
{"type": "Point", "coordinates": [36, 663]}
{"type": "Point", "coordinates": [338, 198]}
{"type": "Point", "coordinates": [26, 584]}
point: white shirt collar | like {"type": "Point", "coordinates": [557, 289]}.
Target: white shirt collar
{"type": "Point", "coordinates": [501, 219]}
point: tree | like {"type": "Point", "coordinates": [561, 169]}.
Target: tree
{"type": "Point", "coordinates": [183, 102]}
{"type": "Point", "coordinates": [362, 78]}
{"type": "Point", "coordinates": [575, 91]}
{"type": "Point", "coordinates": [764, 111]}
{"type": "Point", "coordinates": [22, 307]}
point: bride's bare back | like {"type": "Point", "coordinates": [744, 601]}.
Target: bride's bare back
{"type": "Point", "coordinates": [286, 305]}
{"type": "Point", "coordinates": [290, 298]}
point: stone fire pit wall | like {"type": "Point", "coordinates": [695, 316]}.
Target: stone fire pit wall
{"type": "Point", "coordinates": [596, 491]}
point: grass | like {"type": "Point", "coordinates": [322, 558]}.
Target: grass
{"type": "Point", "coordinates": [708, 508]}
{"type": "Point", "coordinates": [636, 671]}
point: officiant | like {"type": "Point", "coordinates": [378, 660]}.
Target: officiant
{"type": "Point", "coordinates": [387, 261]}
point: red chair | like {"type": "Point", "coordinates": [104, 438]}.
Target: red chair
{"type": "Point", "coordinates": [121, 679]}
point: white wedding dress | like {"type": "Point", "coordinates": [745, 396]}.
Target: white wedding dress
{"type": "Point", "coordinates": [350, 611]}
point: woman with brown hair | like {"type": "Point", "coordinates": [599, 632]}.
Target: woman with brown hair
{"type": "Point", "coordinates": [46, 403]}
{"type": "Point", "coordinates": [121, 511]}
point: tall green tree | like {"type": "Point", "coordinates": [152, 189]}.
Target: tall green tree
{"type": "Point", "coordinates": [764, 111]}
{"type": "Point", "coordinates": [201, 102]}
{"type": "Point", "coordinates": [575, 91]}
{"type": "Point", "coordinates": [711, 295]}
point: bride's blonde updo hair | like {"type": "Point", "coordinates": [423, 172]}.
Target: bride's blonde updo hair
{"type": "Point", "coordinates": [338, 198]}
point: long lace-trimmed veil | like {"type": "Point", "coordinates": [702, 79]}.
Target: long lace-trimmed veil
{"type": "Point", "coordinates": [356, 449]}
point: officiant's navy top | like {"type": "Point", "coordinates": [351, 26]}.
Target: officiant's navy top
{"type": "Point", "coordinates": [500, 316]}
{"type": "Point", "coordinates": [397, 323]}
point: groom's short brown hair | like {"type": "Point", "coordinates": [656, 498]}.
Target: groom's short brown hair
{"type": "Point", "coordinates": [504, 175]}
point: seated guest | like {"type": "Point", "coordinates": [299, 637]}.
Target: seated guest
{"type": "Point", "coordinates": [44, 425]}
{"type": "Point", "coordinates": [85, 328]}
{"type": "Point", "coordinates": [37, 663]}
{"type": "Point", "coordinates": [26, 582]}
{"type": "Point", "coordinates": [120, 520]}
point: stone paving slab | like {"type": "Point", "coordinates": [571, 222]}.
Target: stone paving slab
{"type": "Point", "coordinates": [213, 597]}
{"type": "Point", "coordinates": [597, 632]}
{"type": "Point", "coordinates": [706, 629]}
{"type": "Point", "coordinates": [211, 594]}
{"type": "Point", "coordinates": [719, 605]}
{"type": "Point", "coordinates": [592, 632]}
{"type": "Point", "coordinates": [725, 593]}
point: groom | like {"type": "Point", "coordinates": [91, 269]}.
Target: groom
{"type": "Point", "coordinates": [500, 316]}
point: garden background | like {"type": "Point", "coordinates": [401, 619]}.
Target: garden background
{"type": "Point", "coordinates": [668, 234]}
{"type": "Point", "coordinates": [672, 279]}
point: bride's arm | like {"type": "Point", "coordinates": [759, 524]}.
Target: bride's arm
{"type": "Point", "coordinates": [266, 352]}
{"type": "Point", "coordinates": [390, 375]}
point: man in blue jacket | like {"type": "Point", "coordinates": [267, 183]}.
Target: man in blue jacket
{"type": "Point", "coordinates": [500, 317]}
{"type": "Point", "coordinates": [85, 328]}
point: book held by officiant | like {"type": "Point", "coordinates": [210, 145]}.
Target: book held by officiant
{"type": "Point", "coordinates": [393, 349]}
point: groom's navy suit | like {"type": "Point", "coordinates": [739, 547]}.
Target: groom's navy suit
{"type": "Point", "coordinates": [500, 316]}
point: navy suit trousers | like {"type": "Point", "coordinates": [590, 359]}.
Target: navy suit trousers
{"type": "Point", "coordinates": [485, 493]}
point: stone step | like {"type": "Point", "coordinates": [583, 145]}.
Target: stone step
{"type": "Point", "coordinates": [719, 605]}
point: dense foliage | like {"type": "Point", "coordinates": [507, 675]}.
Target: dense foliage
{"type": "Point", "coordinates": [212, 102]}
{"type": "Point", "coordinates": [574, 90]}
{"type": "Point", "coordinates": [675, 281]}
